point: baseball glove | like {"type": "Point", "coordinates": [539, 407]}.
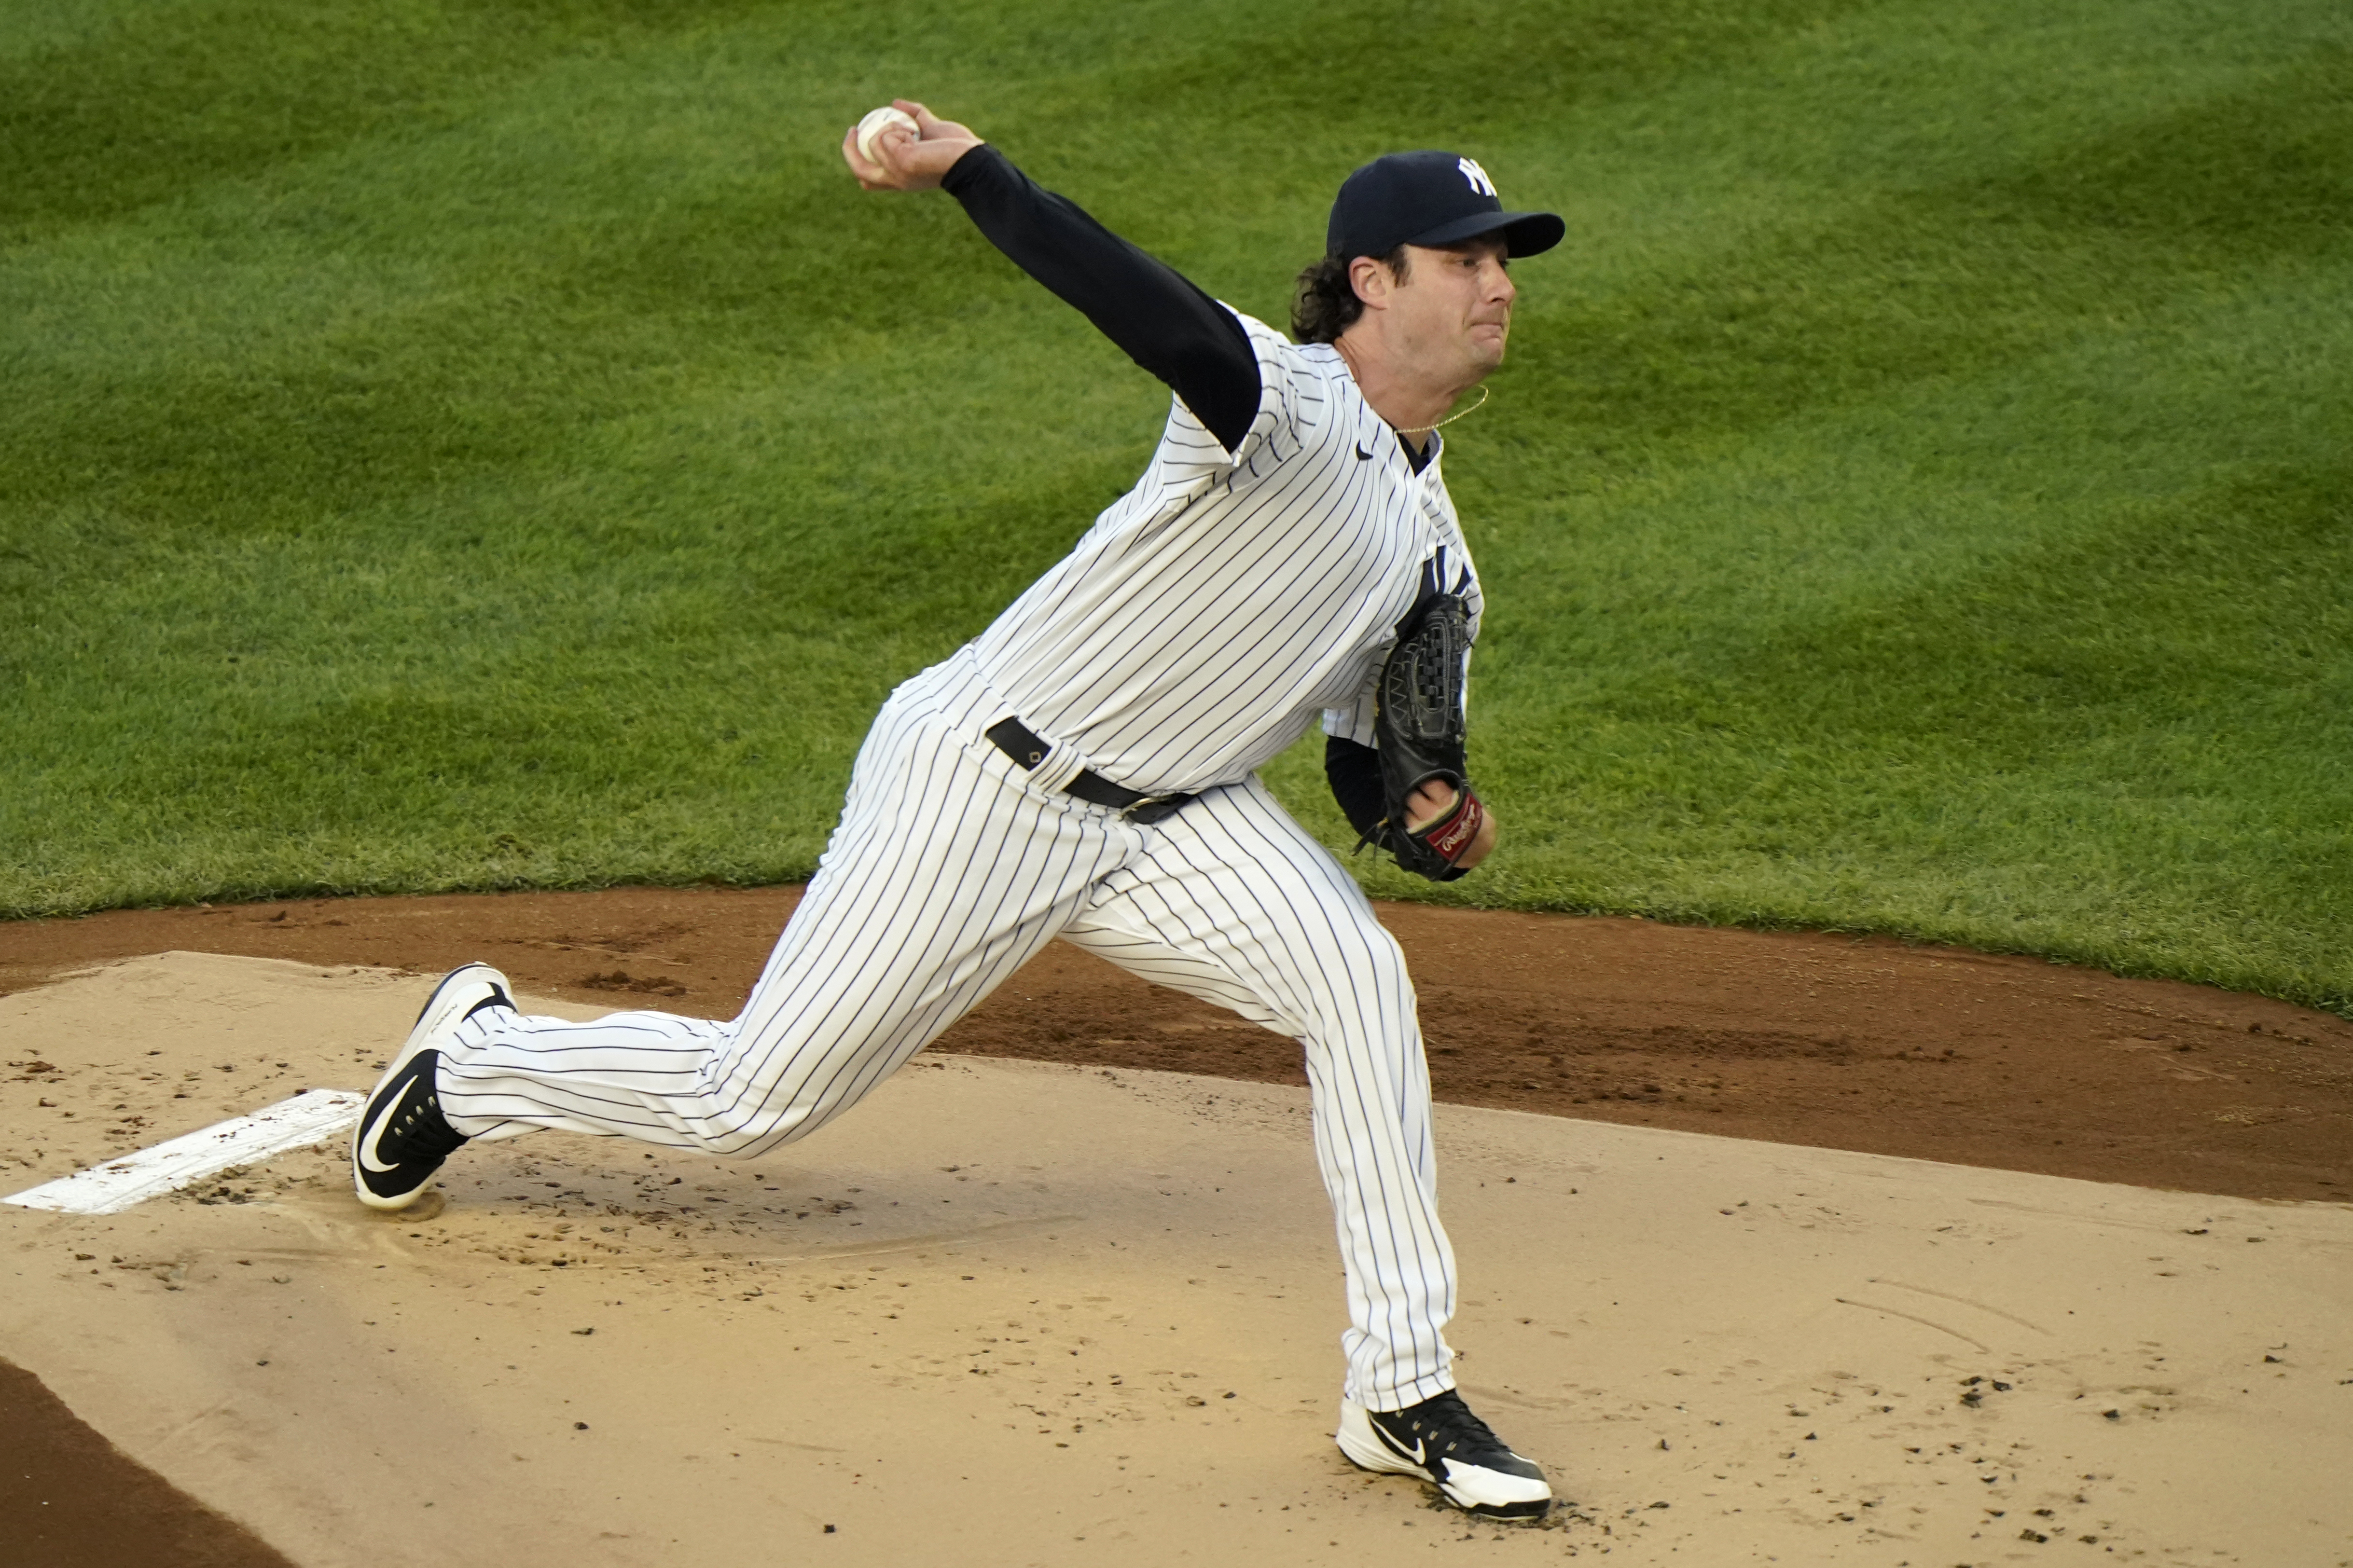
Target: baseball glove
{"type": "Point", "coordinates": [1418, 725]}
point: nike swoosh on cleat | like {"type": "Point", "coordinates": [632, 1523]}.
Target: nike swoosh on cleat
{"type": "Point", "coordinates": [375, 1130]}
{"type": "Point", "coordinates": [1419, 1448]}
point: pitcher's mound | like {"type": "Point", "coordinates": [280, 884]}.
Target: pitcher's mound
{"type": "Point", "coordinates": [1009, 1312]}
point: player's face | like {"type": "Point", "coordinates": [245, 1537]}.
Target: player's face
{"type": "Point", "coordinates": [1457, 308]}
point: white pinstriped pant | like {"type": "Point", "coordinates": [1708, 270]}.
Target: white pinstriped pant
{"type": "Point", "coordinates": [950, 868]}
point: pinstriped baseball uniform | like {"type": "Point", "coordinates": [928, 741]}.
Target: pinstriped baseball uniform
{"type": "Point", "coordinates": [1208, 616]}
{"type": "Point", "coordinates": [1198, 627]}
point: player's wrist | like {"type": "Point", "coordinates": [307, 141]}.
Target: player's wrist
{"type": "Point", "coordinates": [1455, 832]}
{"type": "Point", "coordinates": [966, 169]}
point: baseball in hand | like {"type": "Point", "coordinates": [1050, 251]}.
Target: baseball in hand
{"type": "Point", "coordinates": [876, 122]}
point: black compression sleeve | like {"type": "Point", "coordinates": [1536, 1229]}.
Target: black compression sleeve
{"type": "Point", "coordinates": [1146, 307]}
{"type": "Point", "coordinates": [1355, 774]}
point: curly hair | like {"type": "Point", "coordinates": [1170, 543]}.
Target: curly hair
{"type": "Point", "coordinates": [1325, 304]}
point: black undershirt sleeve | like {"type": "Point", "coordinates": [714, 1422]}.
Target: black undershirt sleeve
{"type": "Point", "coordinates": [1159, 317]}
{"type": "Point", "coordinates": [1355, 774]}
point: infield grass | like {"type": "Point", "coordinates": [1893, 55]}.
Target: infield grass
{"type": "Point", "coordinates": [467, 445]}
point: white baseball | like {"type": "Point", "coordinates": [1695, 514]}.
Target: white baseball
{"type": "Point", "coordinates": [876, 122]}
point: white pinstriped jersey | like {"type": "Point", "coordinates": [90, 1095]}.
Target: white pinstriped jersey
{"type": "Point", "coordinates": [1192, 634]}
{"type": "Point", "coordinates": [1210, 613]}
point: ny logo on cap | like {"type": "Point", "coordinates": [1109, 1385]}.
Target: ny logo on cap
{"type": "Point", "coordinates": [1476, 175]}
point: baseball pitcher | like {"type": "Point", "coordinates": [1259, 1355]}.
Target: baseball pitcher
{"type": "Point", "coordinates": [1086, 767]}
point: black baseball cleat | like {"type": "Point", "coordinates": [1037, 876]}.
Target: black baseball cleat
{"type": "Point", "coordinates": [1441, 1441]}
{"type": "Point", "coordinates": [402, 1136]}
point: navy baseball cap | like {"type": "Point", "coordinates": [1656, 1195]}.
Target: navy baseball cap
{"type": "Point", "coordinates": [1431, 199]}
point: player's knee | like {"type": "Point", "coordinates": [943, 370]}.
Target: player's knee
{"type": "Point", "coordinates": [1385, 964]}
{"type": "Point", "coordinates": [1375, 997]}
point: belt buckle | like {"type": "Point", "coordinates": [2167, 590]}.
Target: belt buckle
{"type": "Point", "coordinates": [1156, 807]}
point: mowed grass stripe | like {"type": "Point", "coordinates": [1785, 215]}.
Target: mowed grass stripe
{"type": "Point", "coordinates": [567, 460]}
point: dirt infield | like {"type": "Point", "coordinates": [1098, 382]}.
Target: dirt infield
{"type": "Point", "coordinates": [1861, 1044]}
{"type": "Point", "coordinates": [1024, 1314]}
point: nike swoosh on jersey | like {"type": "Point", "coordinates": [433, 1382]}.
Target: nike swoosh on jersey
{"type": "Point", "coordinates": [1363, 455]}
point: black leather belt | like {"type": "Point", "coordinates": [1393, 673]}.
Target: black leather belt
{"type": "Point", "coordinates": [1016, 740]}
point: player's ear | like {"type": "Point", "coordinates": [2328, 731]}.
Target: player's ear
{"type": "Point", "coordinates": [1371, 280]}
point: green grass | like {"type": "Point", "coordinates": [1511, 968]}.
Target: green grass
{"type": "Point", "coordinates": [452, 444]}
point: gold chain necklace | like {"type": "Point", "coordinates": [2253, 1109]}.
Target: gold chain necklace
{"type": "Point", "coordinates": [1426, 430]}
